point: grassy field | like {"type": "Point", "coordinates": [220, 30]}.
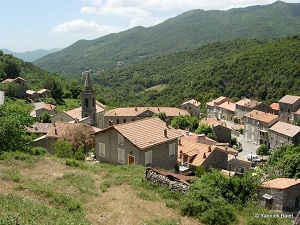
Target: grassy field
{"type": "Point", "coordinates": [47, 190]}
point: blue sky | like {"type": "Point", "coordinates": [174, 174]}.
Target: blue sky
{"type": "Point", "coordinates": [27, 25]}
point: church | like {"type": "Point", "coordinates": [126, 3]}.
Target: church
{"type": "Point", "coordinates": [91, 111]}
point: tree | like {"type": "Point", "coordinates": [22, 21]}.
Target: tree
{"type": "Point", "coordinates": [161, 115]}
{"type": "Point", "coordinates": [63, 149]}
{"type": "Point", "coordinates": [45, 118]}
{"type": "Point", "coordinates": [207, 130]}
{"type": "Point", "coordinates": [285, 160]}
{"type": "Point", "coordinates": [185, 122]}
{"type": "Point", "coordinates": [14, 119]}
{"type": "Point", "coordinates": [262, 150]}
{"type": "Point", "coordinates": [11, 69]}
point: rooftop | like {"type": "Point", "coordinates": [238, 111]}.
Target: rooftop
{"type": "Point", "coordinates": [30, 92]}
{"type": "Point", "coordinates": [285, 128]}
{"type": "Point", "coordinates": [280, 183]}
{"type": "Point", "coordinates": [135, 111]}
{"type": "Point", "coordinates": [40, 128]}
{"type": "Point", "coordinates": [48, 107]}
{"type": "Point", "coordinates": [61, 129]}
{"type": "Point", "coordinates": [42, 91]}
{"type": "Point", "coordinates": [261, 116]}
{"type": "Point", "coordinates": [193, 102]}
{"type": "Point", "coordinates": [228, 105]}
{"type": "Point", "coordinates": [76, 113]}
{"type": "Point", "coordinates": [146, 132]}
{"type": "Point", "coordinates": [275, 106]}
{"type": "Point", "coordinates": [249, 103]}
{"type": "Point", "coordinates": [218, 101]}
{"type": "Point", "coordinates": [290, 99]}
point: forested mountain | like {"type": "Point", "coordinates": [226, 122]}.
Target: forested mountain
{"type": "Point", "coordinates": [265, 70]}
{"type": "Point", "coordinates": [30, 56]}
{"type": "Point", "coordinates": [186, 31]}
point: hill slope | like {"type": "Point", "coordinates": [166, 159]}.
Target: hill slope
{"type": "Point", "coordinates": [30, 56]}
{"type": "Point", "coordinates": [188, 30]}
{"type": "Point", "coordinates": [260, 69]}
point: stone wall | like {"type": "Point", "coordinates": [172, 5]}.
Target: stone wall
{"type": "Point", "coordinates": [172, 182]}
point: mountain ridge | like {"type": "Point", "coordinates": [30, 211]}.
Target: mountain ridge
{"type": "Point", "coordinates": [185, 31]}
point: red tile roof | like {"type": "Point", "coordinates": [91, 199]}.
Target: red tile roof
{"type": "Point", "coordinates": [47, 107]}
{"type": "Point", "coordinates": [135, 111]}
{"type": "Point", "coordinates": [261, 116]}
{"type": "Point", "coordinates": [193, 102]}
{"type": "Point", "coordinates": [228, 105]}
{"type": "Point", "coordinates": [249, 103]}
{"type": "Point", "coordinates": [281, 183]}
{"type": "Point", "coordinates": [146, 132]}
{"type": "Point", "coordinates": [76, 113]}
{"type": "Point", "coordinates": [275, 106]}
{"type": "Point", "coordinates": [290, 99]}
{"type": "Point", "coordinates": [285, 129]}
{"type": "Point", "coordinates": [62, 129]}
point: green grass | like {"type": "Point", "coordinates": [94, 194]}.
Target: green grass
{"type": "Point", "coordinates": [68, 104]}
{"type": "Point", "coordinates": [162, 222]}
{"type": "Point", "coordinates": [18, 210]}
{"type": "Point", "coordinates": [10, 175]}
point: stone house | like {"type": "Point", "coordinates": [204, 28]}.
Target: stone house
{"type": "Point", "coordinates": [198, 150]}
{"type": "Point", "coordinates": [245, 106]}
{"type": "Point", "coordinates": [238, 165]}
{"type": "Point", "coordinates": [124, 115]}
{"type": "Point", "coordinates": [295, 116]}
{"type": "Point", "coordinates": [226, 111]}
{"type": "Point", "coordinates": [222, 131]}
{"type": "Point", "coordinates": [288, 105]}
{"type": "Point", "coordinates": [59, 132]}
{"type": "Point", "coordinates": [148, 142]}
{"type": "Point", "coordinates": [212, 107]}
{"type": "Point", "coordinates": [33, 95]}
{"type": "Point", "coordinates": [281, 194]}
{"type": "Point", "coordinates": [256, 126]}
{"type": "Point", "coordinates": [282, 134]}
{"type": "Point", "coordinates": [192, 106]}
{"type": "Point", "coordinates": [91, 111]}
{"type": "Point", "coordinates": [20, 86]}
{"type": "Point", "coordinates": [44, 93]}
{"type": "Point", "coordinates": [48, 108]}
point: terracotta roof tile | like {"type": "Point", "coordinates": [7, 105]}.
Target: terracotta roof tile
{"type": "Point", "coordinates": [261, 116]}
{"type": "Point", "coordinates": [48, 107]}
{"type": "Point", "coordinates": [249, 103]}
{"type": "Point", "coordinates": [76, 113]}
{"type": "Point", "coordinates": [285, 128]}
{"type": "Point", "coordinates": [280, 183]}
{"type": "Point", "coordinates": [228, 105]}
{"type": "Point", "coordinates": [41, 128]}
{"type": "Point", "coordinates": [193, 102]}
{"type": "Point", "coordinates": [135, 111]}
{"type": "Point", "coordinates": [290, 99]}
{"type": "Point", "coordinates": [61, 129]}
{"type": "Point", "coordinates": [275, 106]}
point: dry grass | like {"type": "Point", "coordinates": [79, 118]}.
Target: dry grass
{"type": "Point", "coordinates": [48, 185]}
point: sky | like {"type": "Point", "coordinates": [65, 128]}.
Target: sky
{"type": "Point", "coordinates": [28, 25]}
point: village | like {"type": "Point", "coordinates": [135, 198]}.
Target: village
{"type": "Point", "coordinates": [133, 135]}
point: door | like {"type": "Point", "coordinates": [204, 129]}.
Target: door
{"type": "Point", "coordinates": [131, 159]}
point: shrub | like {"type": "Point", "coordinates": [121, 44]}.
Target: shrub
{"type": "Point", "coordinates": [63, 149]}
{"type": "Point", "coordinates": [262, 150]}
{"type": "Point", "coordinates": [38, 151]}
{"type": "Point", "coordinates": [199, 171]}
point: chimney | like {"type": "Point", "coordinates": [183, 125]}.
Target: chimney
{"type": "Point", "coordinates": [167, 123]}
{"type": "Point", "coordinates": [55, 131]}
{"type": "Point", "coordinates": [179, 142]}
{"type": "Point", "coordinates": [135, 108]}
{"type": "Point", "coordinates": [166, 133]}
{"type": "Point", "coordinates": [209, 148]}
{"type": "Point", "coordinates": [158, 109]}
{"type": "Point", "coordinates": [226, 148]}
{"type": "Point", "coordinates": [61, 119]}
{"type": "Point", "coordinates": [201, 138]}
{"type": "Point", "coordinates": [111, 123]}
{"type": "Point", "coordinates": [204, 155]}
{"type": "Point", "coordinates": [187, 133]}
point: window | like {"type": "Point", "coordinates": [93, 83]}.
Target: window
{"type": "Point", "coordinates": [102, 149]}
{"type": "Point", "coordinates": [281, 109]}
{"type": "Point", "coordinates": [148, 158]}
{"type": "Point", "coordinates": [124, 120]}
{"type": "Point", "coordinates": [121, 155]}
{"type": "Point", "coordinates": [86, 102]}
{"type": "Point", "coordinates": [118, 121]}
{"type": "Point", "coordinates": [289, 110]}
{"type": "Point", "coordinates": [246, 128]}
{"type": "Point", "coordinates": [120, 139]}
{"type": "Point", "coordinates": [171, 149]}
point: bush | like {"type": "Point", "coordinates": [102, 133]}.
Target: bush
{"type": "Point", "coordinates": [199, 171]}
{"type": "Point", "coordinates": [233, 141]}
{"type": "Point", "coordinates": [38, 151]}
{"type": "Point", "coordinates": [262, 150]}
{"type": "Point", "coordinates": [63, 149]}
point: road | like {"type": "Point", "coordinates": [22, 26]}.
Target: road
{"type": "Point", "coordinates": [1, 97]}
{"type": "Point", "coordinates": [37, 105]}
{"type": "Point", "coordinates": [247, 146]}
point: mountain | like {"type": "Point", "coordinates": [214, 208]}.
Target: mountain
{"type": "Point", "coordinates": [264, 70]}
{"type": "Point", "coordinates": [30, 56]}
{"type": "Point", "coordinates": [188, 30]}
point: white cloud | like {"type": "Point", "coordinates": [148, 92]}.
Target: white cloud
{"type": "Point", "coordinates": [120, 11]}
{"type": "Point", "coordinates": [146, 22]}
{"type": "Point", "coordinates": [81, 26]}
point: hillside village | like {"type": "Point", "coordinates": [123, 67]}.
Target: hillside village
{"type": "Point", "coordinates": [171, 133]}
{"type": "Point", "coordinates": [134, 135]}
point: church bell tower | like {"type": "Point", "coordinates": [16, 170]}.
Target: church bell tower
{"type": "Point", "coordinates": [88, 100]}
